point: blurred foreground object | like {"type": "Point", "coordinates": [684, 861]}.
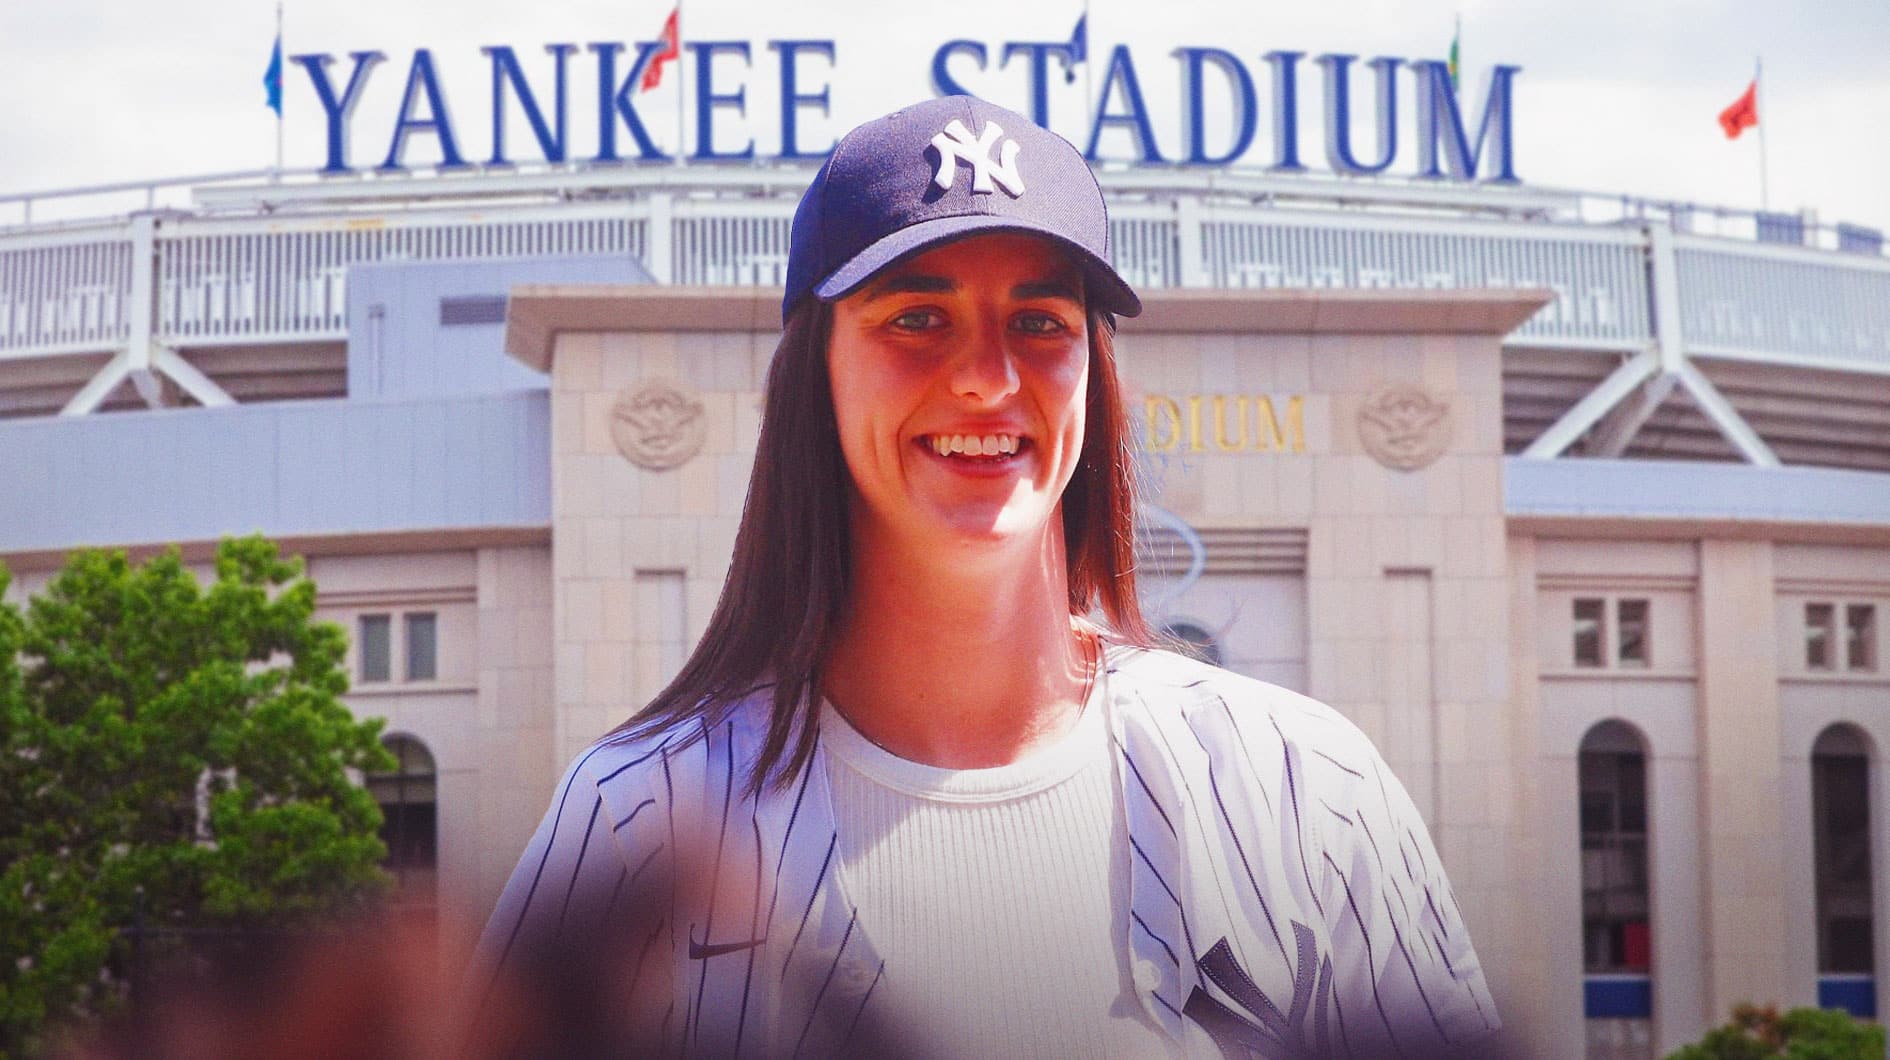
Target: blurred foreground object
{"type": "Point", "coordinates": [384, 985]}
{"type": "Point", "coordinates": [173, 756]}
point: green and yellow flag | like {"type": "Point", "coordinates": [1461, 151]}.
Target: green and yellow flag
{"type": "Point", "coordinates": [1455, 40]}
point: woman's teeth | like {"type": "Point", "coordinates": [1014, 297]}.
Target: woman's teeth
{"type": "Point", "coordinates": [974, 445]}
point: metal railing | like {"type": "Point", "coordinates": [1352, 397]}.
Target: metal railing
{"type": "Point", "coordinates": [267, 262]}
{"type": "Point", "coordinates": [1599, 275]}
{"type": "Point", "coordinates": [65, 292]}
{"type": "Point", "coordinates": [1784, 303]}
{"type": "Point", "coordinates": [223, 281]}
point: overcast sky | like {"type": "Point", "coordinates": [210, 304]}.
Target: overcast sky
{"type": "Point", "coordinates": [1617, 96]}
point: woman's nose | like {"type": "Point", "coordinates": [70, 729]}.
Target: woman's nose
{"type": "Point", "coordinates": [985, 370]}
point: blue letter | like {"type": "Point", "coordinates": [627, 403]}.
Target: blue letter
{"type": "Point", "coordinates": [338, 111]}
{"type": "Point", "coordinates": [943, 83]}
{"type": "Point", "coordinates": [1244, 105]}
{"type": "Point", "coordinates": [439, 123]}
{"type": "Point", "coordinates": [707, 99]}
{"type": "Point", "coordinates": [613, 102]}
{"type": "Point", "coordinates": [792, 98]}
{"type": "Point", "coordinates": [1437, 113]}
{"type": "Point", "coordinates": [1339, 114]}
{"type": "Point", "coordinates": [1122, 68]}
{"type": "Point", "coordinates": [505, 68]}
{"type": "Point", "coordinates": [1285, 112]}
{"type": "Point", "coordinates": [1040, 72]}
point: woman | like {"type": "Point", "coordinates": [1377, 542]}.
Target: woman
{"type": "Point", "coordinates": [907, 794]}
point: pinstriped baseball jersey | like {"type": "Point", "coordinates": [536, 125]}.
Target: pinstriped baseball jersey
{"type": "Point", "coordinates": [1285, 899]}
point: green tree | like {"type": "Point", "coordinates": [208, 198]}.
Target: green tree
{"type": "Point", "coordinates": [1801, 1034]}
{"type": "Point", "coordinates": [182, 742]}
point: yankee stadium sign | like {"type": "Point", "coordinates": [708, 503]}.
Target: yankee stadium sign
{"type": "Point", "coordinates": [1219, 95]}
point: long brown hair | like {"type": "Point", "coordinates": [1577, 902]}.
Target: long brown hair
{"type": "Point", "coordinates": [787, 583]}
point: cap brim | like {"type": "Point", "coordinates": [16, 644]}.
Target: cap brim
{"type": "Point", "coordinates": [1106, 290]}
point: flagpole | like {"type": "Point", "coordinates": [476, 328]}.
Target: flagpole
{"type": "Point", "coordinates": [278, 175]}
{"type": "Point", "coordinates": [682, 136]}
{"type": "Point", "coordinates": [1089, 88]}
{"type": "Point", "coordinates": [1758, 82]}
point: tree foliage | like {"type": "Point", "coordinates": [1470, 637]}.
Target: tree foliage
{"type": "Point", "coordinates": [1800, 1034]}
{"type": "Point", "coordinates": [183, 742]}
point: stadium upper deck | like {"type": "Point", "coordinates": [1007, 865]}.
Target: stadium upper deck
{"type": "Point", "coordinates": [1676, 331]}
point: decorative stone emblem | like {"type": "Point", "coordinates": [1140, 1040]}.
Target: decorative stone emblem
{"type": "Point", "coordinates": [657, 426]}
{"type": "Point", "coordinates": [1404, 426]}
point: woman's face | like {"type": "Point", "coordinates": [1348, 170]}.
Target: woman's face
{"type": "Point", "coordinates": [959, 381]}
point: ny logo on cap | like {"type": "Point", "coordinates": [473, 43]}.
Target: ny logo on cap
{"type": "Point", "coordinates": [956, 145]}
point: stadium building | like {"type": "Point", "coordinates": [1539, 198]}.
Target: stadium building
{"type": "Point", "coordinates": [1578, 505]}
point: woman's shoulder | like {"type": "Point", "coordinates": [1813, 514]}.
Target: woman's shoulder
{"type": "Point", "coordinates": [1156, 684]}
{"type": "Point", "coordinates": [653, 751]}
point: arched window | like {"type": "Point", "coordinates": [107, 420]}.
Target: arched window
{"type": "Point", "coordinates": [1194, 641]}
{"type": "Point", "coordinates": [1617, 936]}
{"type": "Point", "coordinates": [1840, 814]}
{"type": "Point", "coordinates": [410, 817]}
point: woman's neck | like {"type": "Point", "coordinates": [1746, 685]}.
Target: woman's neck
{"type": "Point", "coordinates": [960, 661]}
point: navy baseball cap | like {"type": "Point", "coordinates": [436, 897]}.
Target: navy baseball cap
{"type": "Point", "coordinates": [937, 171]}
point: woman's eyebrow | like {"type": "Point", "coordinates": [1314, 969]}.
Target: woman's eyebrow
{"type": "Point", "coordinates": [1047, 289]}
{"type": "Point", "coordinates": [912, 283]}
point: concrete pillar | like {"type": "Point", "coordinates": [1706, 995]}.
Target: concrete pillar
{"type": "Point", "coordinates": [1542, 1013]}
{"type": "Point", "coordinates": [515, 716]}
{"type": "Point", "coordinates": [1741, 850]}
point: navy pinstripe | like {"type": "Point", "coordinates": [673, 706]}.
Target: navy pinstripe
{"type": "Point", "coordinates": [557, 819]}
{"type": "Point", "coordinates": [814, 1009]}
{"type": "Point", "coordinates": [577, 870]}
{"type": "Point", "coordinates": [1365, 937]}
{"type": "Point", "coordinates": [1299, 833]}
{"type": "Point", "coordinates": [1166, 948]}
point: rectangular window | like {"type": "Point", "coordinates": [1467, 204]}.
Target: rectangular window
{"type": "Point", "coordinates": [1860, 637]}
{"type": "Point", "coordinates": [472, 309]}
{"type": "Point", "coordinates": [1819, 619]}
{"type": "Point", "coordinates": [1631, 623]}
{"type": "Point", "coordinates": [422, 646]}
{"type": "Point", "coordinates": [376, 645]}
{"type": "Point", "coordinates": [1590, 618]}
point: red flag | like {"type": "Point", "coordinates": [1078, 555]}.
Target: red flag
{"type": "Point", "coordinates": [1743, 113]}
{"type": "Point", "coordinates": [672, 47]}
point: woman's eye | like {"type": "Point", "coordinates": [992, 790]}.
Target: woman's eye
{"type": "Point", "coordinates": [917, 320]}
{"type": "Point", "coordinates": [1039, 324]}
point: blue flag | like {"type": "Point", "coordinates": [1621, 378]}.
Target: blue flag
{"type": "Point", "coordinates": [272, 78]}
{"type": "Point", "coordinates": [1078, 49]}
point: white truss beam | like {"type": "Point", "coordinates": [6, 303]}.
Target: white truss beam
{"type": "Point", "coordinates": [150, 387]}
{"type": "Point", "coordinates": [1588, 411]}
{"type": "Point", "coordinates": [194, 382]}
{"type": "Point", "coordinates": [1663, 282]}
{"type": "Point", "coordinates": [1726, 418]}
{"type": "Point", "coordinates": [1617, 429]}
{"type": "Point", "coordinates": [99, 386]}
{"type": "Point", "coordinates": [143, 311]}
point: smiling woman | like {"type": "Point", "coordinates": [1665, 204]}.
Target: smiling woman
{"type": "Point", "coordinates": [924, 786]}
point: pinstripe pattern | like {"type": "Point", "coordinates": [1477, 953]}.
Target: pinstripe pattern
{"type": "Point", "coordinates": [1253, 812]}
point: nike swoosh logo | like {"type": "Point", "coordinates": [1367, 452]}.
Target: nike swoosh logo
{"type": "Point", "coordinates": [699, 951]}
